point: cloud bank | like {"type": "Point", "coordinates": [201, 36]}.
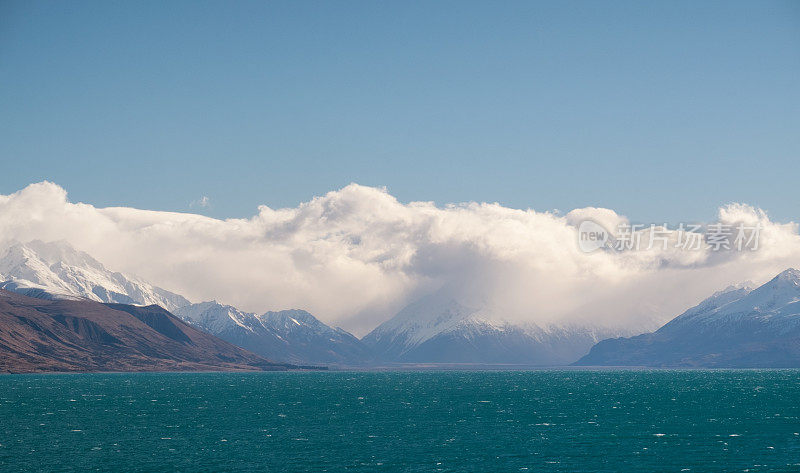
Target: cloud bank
{"type": "Point", "coordinates": [355, 256]}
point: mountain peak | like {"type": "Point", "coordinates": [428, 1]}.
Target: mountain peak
{"type": "Point", "coordinates": [290, 317]}
{"type": "Point", "coordinates": [791, 276]}
{"type": "Point", "coordinates": [781, 290]}
{"type": "Point", "coordinates": [787, 283]}
{"type": "Point", "coordinates": [741, 329]}
{"type": "Point", "coordinates": [57, 270]}
{"type": "Point", "coordinates": [745, 285]}
{"type": "Point", "coordinates": [50, 253]}
{"type": "Point", "coordinates": [289, 335]}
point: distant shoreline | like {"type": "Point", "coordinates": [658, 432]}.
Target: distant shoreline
{"type": "Point", "coordinates": [395, 369]}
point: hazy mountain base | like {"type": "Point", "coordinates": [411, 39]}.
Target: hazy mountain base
{"type": "Point", "coordinates": [438, 329]}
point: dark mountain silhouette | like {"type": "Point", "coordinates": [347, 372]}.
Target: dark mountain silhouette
{"type": "Point", "coordinates": [38, 335]}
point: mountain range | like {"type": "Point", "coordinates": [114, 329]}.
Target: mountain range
{"type": "Point", "coordinates": [57, 271]}
{"type": "Point", "coordinates": [39, 335]}
{"type": "Point", "coordinates": [438, 329]}
{"type": "Point", "coordinates": [739, 327]}
{"type": "Point", "coordinates": [293, 336]}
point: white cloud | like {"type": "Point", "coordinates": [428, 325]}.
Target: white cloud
{"type": "Point", "coordinates": [355, 256]}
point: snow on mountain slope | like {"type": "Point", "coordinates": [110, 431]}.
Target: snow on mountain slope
{"type": "Point", "coordinates": [291, 335]}
{"type": "Point", "coordinates": [315, 341]}
{"type": "Point", "coordinates": [767, 302]}
{"type": "Point", "coordinates": [215, 318]}
{"type": "Point", "coordinates": [710, 305]}
{"type": "Point", "coordinates": [56, 270]}
{"type": "Point", "coordinates": [419, 322]}
{"type": "Point", "coordinates": [37, 291]}
{"type": "Point", "coordinates": [438, 329]}
{"type": "Point", "coordinates": [739, 327]}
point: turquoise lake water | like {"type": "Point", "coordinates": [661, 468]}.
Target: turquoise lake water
{"type": "Point", "coordinates": [537, 421]}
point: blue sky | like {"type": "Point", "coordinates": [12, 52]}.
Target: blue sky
{"type": "Point", "coordinates": [660, 110]}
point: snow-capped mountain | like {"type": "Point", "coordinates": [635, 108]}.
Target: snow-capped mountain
{"type": "Point", "coordinates": [293, 336]}
{"type": "Point", "coordinates": [214, 317]}
{"type": "Point", "coordinates": [56, 270]}
{"type": "Point", "coordinates": [438, 329]}
{"type": "Point", "coordinates": [737, 327]}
